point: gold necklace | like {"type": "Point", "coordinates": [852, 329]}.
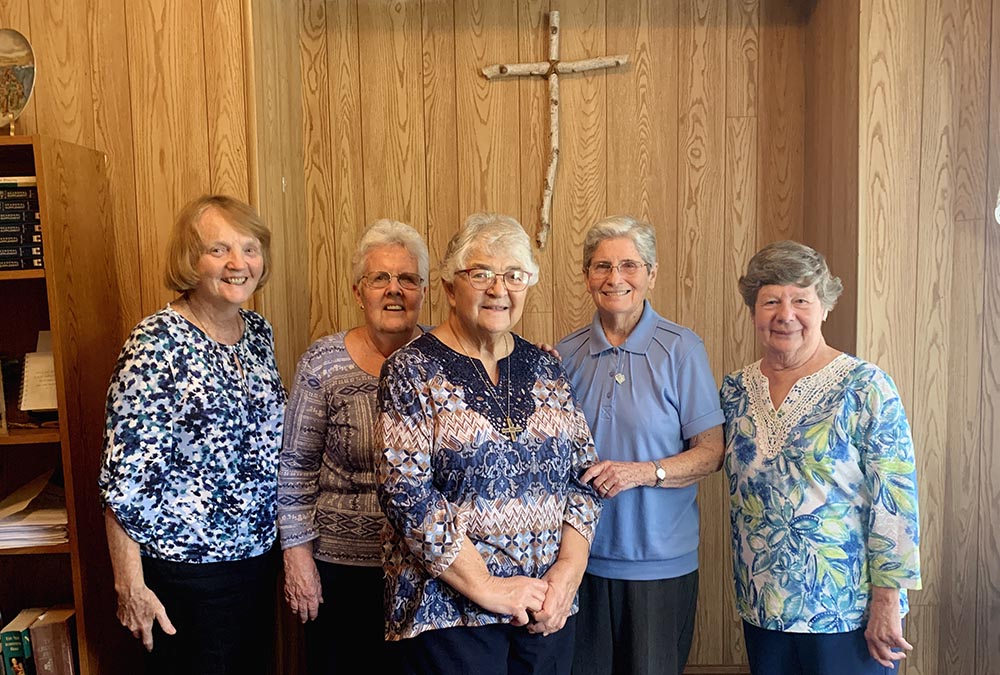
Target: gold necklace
{"type": "Point", "coordinates": [511, 430]}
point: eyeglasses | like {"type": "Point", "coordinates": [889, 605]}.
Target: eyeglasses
{"type": "Point", "coordinates": [407, 280]}
{"type": "Point", "coordinates": [483, 280]}
{"type": "Point", "coordinates": [626, 268]}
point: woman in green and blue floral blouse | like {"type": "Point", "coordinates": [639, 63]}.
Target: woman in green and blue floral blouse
{"type": "Point", "coordinates": [822, 484]}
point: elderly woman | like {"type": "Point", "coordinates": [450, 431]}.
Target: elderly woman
{"type": "Point", "coordinates": [822, 484]}
{"type": "Point", "coordinates": [328, 512]}
{"type": "Point", "coordinates": [649, 395]}
{"type": "Point", "coordinates": [189, 473]}
{"type": "Point", "coordinates": [484, 450]}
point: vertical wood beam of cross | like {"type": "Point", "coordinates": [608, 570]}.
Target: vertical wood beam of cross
{"type": "Point", "coordinates": [551, 70]}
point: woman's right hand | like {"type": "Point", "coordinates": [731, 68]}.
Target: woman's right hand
{"type": "Point", "coordinates": [138, 608]}
{"type": "Point", "coordinates": [303, 590]}
{"type": "Point", "coordinates": [520, 597]}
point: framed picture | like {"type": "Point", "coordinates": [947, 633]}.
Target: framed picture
{"type": "Point", "coordinates": [17, 74]}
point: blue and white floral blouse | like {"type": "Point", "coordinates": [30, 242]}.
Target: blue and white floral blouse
{"type": "Point", "coordinates": [191, 442]}
{"type": "Point", "coordinates": [451, 476]}
{"type": "Point", "coordinates": [823, 496]}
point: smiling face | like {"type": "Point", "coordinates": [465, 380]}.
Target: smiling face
{"type": "Point", "coordinates": [486, 315]}
{"type": "Point", "coordinates": [391, 310]}
{"type": "Point", "coordinates": [619, 298]}
{"type": "Point", "coordinates": [789, 322]}
{"type": "Point", "coordinates": [231, 265]}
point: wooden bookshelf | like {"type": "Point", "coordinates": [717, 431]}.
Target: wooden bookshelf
{"type": "Point", "coordinates": [75, 297]}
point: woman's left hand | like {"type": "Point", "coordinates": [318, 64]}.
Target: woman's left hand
{"type": "Point", "coordinates": [885, 627]}
{"type": "Point", "coordinates": [612, 478]}
{"type": "Point", "coordinates": [563, 583]}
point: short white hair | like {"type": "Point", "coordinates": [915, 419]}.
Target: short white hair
{"type": "Point", "coordinates": [386, 232]}
{"type": "Point", "coordinates": [495, 234]}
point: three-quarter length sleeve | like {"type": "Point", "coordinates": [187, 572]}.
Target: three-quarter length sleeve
{"type": "Point", "coordinates": [138, 435]}
{"type": "Point", "coordinates": [583, 505]}
{"type": "Point", "coordinates": [891, 480]}
{"type": "Point", "coordinates": [302, 448]}
{"type": "Point", "coordinates": [427, 522]}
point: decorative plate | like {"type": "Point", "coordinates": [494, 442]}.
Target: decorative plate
{"type": "Point", "coordinates": [17, 74]}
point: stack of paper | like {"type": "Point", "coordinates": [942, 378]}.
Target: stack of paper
{"type": "Point", "coordinates": [34, 515]}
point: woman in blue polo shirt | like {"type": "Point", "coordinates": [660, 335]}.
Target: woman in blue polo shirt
{"type": "Point", "coordinates": [648, 393]}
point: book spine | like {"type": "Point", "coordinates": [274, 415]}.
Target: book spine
{"type": "Point", "coordinates": [20, 228]}
{"type": "Point", "coordinates": [20, 217]}
{"type": "Point", "coordinates": [18, 205]}
{"type": "Point", "coordinates": [30, 251]}
{"type": "Point", "coordinates": [22, 263]}
{"type": "Point", "coordinates": [13, 651]}
{"type": "Point", "coordinates": [28, 192]}
{"type": "Point", "coordinates": [20, 239]}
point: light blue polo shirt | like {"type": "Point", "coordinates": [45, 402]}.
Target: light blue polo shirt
{"type": "Point", "coordinates": [664, 394]}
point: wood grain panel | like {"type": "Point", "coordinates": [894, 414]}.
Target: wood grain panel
{"type": "Point", "coordinates": [113, 135]}
{"type": "Point", "coordinates": [533, 108]}
{"type": "Point", "coordinates": [642, 130]}
{"type": "Point", "coordinates": [922, 630]}
{"type": "Point", "coordinates": [971, 102]}
{"type": "Point", "coordinates": [226, 96]}
{"type": "Point", "coordinates": [782, 99]}
{"type": "Point", "coordinates": [933, 349]}
{"type": "Point", "coordinates": [392, 128]}
{"type": "Point", "coordinates": [487, 121]}
{"type": "Point", "coordinates": [701, 214]}
{"type": "Point", "coordinates": [888, 178]}
{"type": "Point", "coordinates": [62, 80]}
{"type": "Point", "coordinates": [739, 346]}
{"type": "Point", "coordinates": [830, 208]}
{"type": "Point", "coordinates": [275, 150]}
{"type": "Point", "coordinates": [957, 646]}
{"type": "Point", "coordinates": [318, 165]}
{"type": "Point", "coordinates": [345, 145]}
{"type": "Point", "coordinates": [441, 145]}
{"type": "Point", "coordinates": [581, 196]}
{"type": "Point", "coordinates": [170, 137]}
{"type": "Point", "coordinates": [742, 57]}
{"type": "Point", "coordinates": [16, 14]}
{"type": "Point", "coordinates": [988, 587]}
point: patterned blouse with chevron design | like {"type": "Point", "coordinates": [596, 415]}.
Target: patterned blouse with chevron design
{"type": "Point", "coordinates": [450, 476]}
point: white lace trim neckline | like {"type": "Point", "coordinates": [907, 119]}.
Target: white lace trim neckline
{"type": "Point", "coordinates": [775, 426]}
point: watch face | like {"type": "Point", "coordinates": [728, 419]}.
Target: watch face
{"type": "Point", "coordinates": [661, 473]}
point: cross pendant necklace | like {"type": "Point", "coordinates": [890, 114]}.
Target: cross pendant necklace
{"type": "Point", "coordinates": [512, 430]}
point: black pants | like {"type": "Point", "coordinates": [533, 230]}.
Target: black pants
{"type": "Point", "coordinates": [635, 627]}
{"type": "Point", "coordinates": [351, 621]}
{"type": "Point", "coordinates": [496, 649]}
{"type": "Point", "coordinates": [223, 613]}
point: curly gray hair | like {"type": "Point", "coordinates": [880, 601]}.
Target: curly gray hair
{"type": "Point", "coordinates": [785, 263]}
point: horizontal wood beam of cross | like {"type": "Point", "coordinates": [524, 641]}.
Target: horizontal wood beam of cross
{"type": "Point", "coordinates": [551, 70]}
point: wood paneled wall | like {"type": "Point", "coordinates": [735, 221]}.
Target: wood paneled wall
{"type": "Point", "coordinates": [860, 126]}
{"type": "Point", "coordinates": [928, 263]}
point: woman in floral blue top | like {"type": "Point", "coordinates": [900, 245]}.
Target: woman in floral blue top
{"type": "Point", "coordinates": [822, 484]}
{"type": "Point", "coordinates": [189, 474]}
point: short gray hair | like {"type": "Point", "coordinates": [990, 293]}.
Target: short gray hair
{"type": "Point", "coordinates": [386, 232]}
{"type": "Point", "coordinates": [495, 234]}
{"type": "Point", "coordinates": [621, 227]}
{"type": "Point", "coordinates": [785, 263]}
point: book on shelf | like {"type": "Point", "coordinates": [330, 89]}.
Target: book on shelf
{"type": "Point", "coordinates": [52, 640]}
{"type": "Point", "coordinates": [21, 239]}
{"type": "Point", "coordinates": [20, 228]}
{"type": "Point", "coordinates": [28, 251]}
{"type": "Point", "coordinates": [16, 641]}
{"type": "Point", "coordinates": [38, 383]}
{"type": "Point", "coordinates": [34, 515]}
{"type": "Point", "coordinates": [26, 192]}
{"type": "Point", "coordinates": [32, 263]}
{"type": "Point", "coordinates": [18, 204]}
{"type": "Point", "coordinates": [17, 181]}
{"type": "Point", "coordinates": [20, 217]}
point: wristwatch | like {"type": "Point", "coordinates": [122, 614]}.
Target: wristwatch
{"type": "Point", "coordinates": [661, 473]}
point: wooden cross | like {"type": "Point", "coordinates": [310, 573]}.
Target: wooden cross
{"type": "Point", "coordinates": [551, 70]}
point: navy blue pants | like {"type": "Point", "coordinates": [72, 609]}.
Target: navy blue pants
{"type": "Point", "coordinates": [774, 652]}
{"type": "Point", "coordinates": [497, 649]}
{"type": "Point", "coordinates": [350, 621]}
{"type": "Point", "coordinates": [223, 613]}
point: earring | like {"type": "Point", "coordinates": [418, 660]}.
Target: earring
{"type": "Point", "coordinates": [362, 307]}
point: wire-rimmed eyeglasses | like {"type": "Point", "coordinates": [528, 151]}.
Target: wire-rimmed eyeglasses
{"type": "Point", "coordinates": [407, 280]}
{"type": "Point", "coordinates": [483, 279]}
{"type": "Point", "coordinates": [626, 268]}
